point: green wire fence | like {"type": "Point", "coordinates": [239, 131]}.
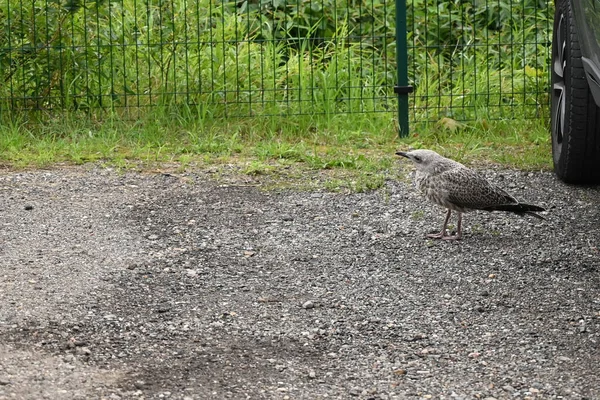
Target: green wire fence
{"type": "Point", "coordinates": [479, 59]}
{"type": "Point", "coordinates": [466, 59]}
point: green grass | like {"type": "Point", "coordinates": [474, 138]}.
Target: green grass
{"type": "Point", "coordinates": [349, 153]}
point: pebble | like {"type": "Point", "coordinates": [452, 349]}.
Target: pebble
{"type": "Point", "coordinates": [83, 351]}
{"type": "Point", "coordinates": [308, 305]}
{"type": "Point", "coordinates": [28, 207]}
{"type": "Point", "coordinates": [152, 237]}
{"type": "Point", "coordinates": [139, 384]}
{"type": "Point", "coordinates": [509, 388]}
{"type": "Point", "coordinates": [4, 382]}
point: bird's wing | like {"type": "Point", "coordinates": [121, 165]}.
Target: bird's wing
{"type": "Point", "coordinates": [465, 188]}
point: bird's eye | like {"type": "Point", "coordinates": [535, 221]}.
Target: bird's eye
{"type": "Point", "coordinates": [417, 158]}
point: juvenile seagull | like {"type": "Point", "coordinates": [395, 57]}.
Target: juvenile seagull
{"type": "Point", "coordinates": [452, 185]}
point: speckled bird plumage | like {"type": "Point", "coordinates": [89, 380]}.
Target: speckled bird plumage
{"type": "Point", "coordinates": [452, 185]}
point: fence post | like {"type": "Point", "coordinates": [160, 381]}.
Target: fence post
{"type": "Point", "coordinates": [402, 88]}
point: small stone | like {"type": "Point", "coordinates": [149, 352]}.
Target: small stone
{"type": "Point", "coordinates": [308, 305]}
{"type": "Point", "coordinates": [485, 293]}
{"type": "Point", "coordinates": [4, 382]}
{"type": "Point", "coordinates": [268, 299]}
{"type": "Point", "coordinates": [83, 351]}
{"type": "Point", "coordinates": [400, 372]}
{"type": "Point", "coordinates": [509, 388]}
{"type": "Point", "coordinates": [28, 207]}
{"type": "Point", "coordinates": [287, 218]}
{"type": "Point", "coordinates": [492, 276]}
{"type": "Point", "coordinates": [152, 237]}
{"type": "Point", "coordinates": [139, 384]}
{"type": "Point", "coordinates": [312, 374]}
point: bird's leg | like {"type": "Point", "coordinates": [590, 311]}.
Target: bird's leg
{"type": "Point", "coordinates": [442, 234]}
{"type": "Point", "coordinates": [458, 235]}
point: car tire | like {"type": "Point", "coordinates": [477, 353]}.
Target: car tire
{"type": "Point", "coordinates": [575, 115]}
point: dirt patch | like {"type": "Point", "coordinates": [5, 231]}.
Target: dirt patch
{"type": "Point", "coordinates": [178, 286]}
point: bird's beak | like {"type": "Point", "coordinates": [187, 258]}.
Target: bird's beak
{"type": "Point", "coordinates": [401, 153]}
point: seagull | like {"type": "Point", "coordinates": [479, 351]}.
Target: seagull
{"type": "Point", "coordinates": [450, 184]}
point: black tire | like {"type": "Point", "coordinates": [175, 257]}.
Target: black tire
{"type": "Point", "coordinates": [575, 115]}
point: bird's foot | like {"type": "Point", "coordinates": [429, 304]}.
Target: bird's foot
{"type": "Point", "coordinates": [453, 237]}
{"type": "Point", "coordinates": [443, 236]}
{"type": "Point", "coordinates": [440, 235]}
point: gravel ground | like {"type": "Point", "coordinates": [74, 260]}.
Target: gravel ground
{"type": "Point", "coordinates": [133, 286]}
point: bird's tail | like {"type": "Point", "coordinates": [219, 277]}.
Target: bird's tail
{"type": "Point", "coordinates": [519, 208]}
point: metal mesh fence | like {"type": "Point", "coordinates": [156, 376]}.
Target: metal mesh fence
{"type": "Point", "coordinates": [466, 59]}
{"type": "Point", "coordinates": [230, 58]}
{"type": "Point", "coordinates": [479, 59]}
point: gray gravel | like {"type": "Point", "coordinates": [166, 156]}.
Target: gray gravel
{"type": "Point", "coordinates": [131, 286]}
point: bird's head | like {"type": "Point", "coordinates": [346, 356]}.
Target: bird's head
{"type": "Point", "coordinates": [424, 160]}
